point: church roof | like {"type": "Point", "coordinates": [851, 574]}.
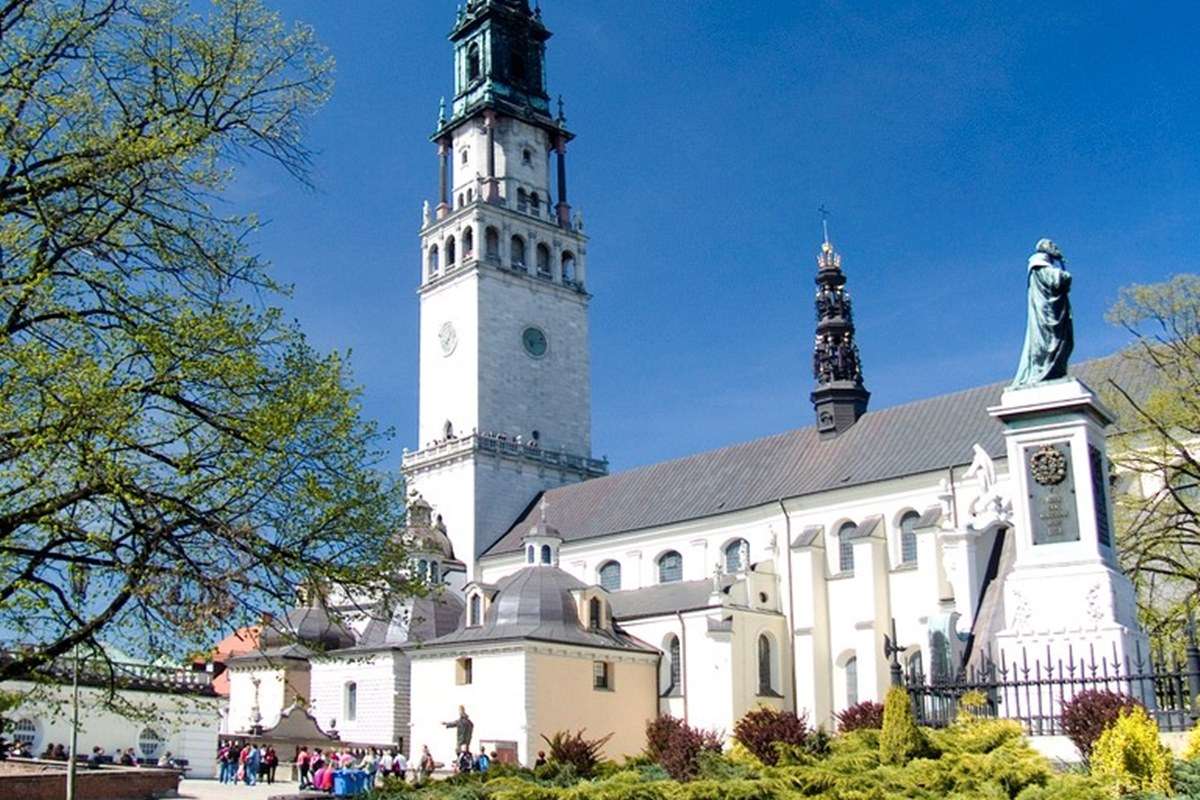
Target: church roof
{"type": "Point", "coordinates": [666, 598]}
{"type": "Point", "coordinates": [918, 437]}
{"type": "Point", "coordinates": [537, 603]}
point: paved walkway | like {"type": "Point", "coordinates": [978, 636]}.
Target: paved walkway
{"type": "Point", "coordinates": [194, 789]}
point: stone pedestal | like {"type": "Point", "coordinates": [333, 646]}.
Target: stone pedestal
{"type": "Point", "coordinates": [1066, 598]}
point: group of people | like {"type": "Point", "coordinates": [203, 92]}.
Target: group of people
{"type": "Point", "coordinates": [247, 763]}
{"type": "Point", "coordinates": [316, 768]}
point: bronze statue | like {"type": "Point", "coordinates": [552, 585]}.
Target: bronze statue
{"type": "Point", "coordinates": [1049, 332]}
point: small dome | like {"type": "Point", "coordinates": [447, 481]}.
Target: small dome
{"type": "Point", "coordinates": [422, 534]}
{"type": "Point", "coordinates": [310, 625]}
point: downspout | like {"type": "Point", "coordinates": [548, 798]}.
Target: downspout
{"type": "Point", "coordinates": [683, 663]}
{"type": "Point", "coordinates": [787, 554]}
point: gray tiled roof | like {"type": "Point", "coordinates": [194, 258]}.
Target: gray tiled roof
{"type": "Point", "coordinates": [536, 603]}
{"type": "Point", "coordinates": [664, 598]}
{"type": "Point", "coordinates": [923, 436]}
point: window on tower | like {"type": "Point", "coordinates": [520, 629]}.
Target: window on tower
{"type": "Point", "coordinates": [468, 243]}
{"type": "Point", "coordinates": [535, 203]}
{"type": "Point", "coordinates": [543, 260]}
{"type": "Point", "coordinates": [433, 260]}
{"type": "Point", "coordinates": [527, 157]}
{"type": "Point", "coordinates": [518, 252]}
{"type": "Point", "coordinates": [450, 252]}
{"type": "Point", "coordinates": [473, 70]}
{"type": "Point", "coordinates": [522, 200]}
{"type": "Point", "coordinates": [517, 67]}
{"type": "Point", "coordinates": [568, 267]}
{"type": "Point", "coordinates": [491, 243]}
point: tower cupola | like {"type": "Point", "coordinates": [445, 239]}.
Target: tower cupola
{"type": "Point", "coordinates": [840, 397]}
{"type": "Point", "coordinates": [542, 542]}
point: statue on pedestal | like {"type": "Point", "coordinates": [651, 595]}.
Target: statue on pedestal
{"type": "Point", "coordinates": [1049, 332]}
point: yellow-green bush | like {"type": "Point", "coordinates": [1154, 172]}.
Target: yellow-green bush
{"type": "Point", "coordinates": [1130, 756]}
{"type": "Point", "coordinates": [900, 739]}
{"type": "Point", "coordinates": [1192, 751]}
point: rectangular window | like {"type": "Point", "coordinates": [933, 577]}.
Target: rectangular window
{"type": "Point", "coordinates": [601, 675]}
{"type": "Point", "coordinates": [463, 670]}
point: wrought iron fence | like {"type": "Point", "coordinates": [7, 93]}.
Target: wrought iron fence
{"type": "Point", "coordinates": [1032, 687]}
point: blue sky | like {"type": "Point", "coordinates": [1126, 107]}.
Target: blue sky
{"type": "Point", "coordinates": [945, 138]}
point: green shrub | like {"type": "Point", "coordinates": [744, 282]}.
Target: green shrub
{"type": "Point", "coordinates": [900, 739]}
{"type": "Point", "coordinates": [573, 749]}
{"type": "Point", "coordinates": [1186, 777]}
{"type": "Point", "coordinates": [677, 746]}
{"type": "Point", "coordinates": [1130, 756]}
{"type": "Point", "coordinates": [762, 729]}
{"type": "Point", "coordinates": [974, 735]}
{"type": "Point", "coordinates": [1068, 787]}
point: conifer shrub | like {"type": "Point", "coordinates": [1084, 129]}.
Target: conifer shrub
{"type": "Point", "coordinates": [867, 714]}
{"type": "Point", "coordinates": [763, 730]}
{"type": "Point", "coordinates": [1087, 714]}
{"type": "Point", "coordinates": [576, 751]}
{"type": "Point", "coordinates": [900, 739]}
{"type": "Point", "coordinates": [1191, 752]}
{"type": "Point", "coordinates": [1129, 755]}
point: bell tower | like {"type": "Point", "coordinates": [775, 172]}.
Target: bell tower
{"type": "Point", "coordinates": [840, 397]}
{"type": "Point", "coordinates": [505, 386]}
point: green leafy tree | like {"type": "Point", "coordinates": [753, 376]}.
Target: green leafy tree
{"type": "Point", "coordinates": [161, 425]}
{"type": "Point", "coordinates": [1157, 452]}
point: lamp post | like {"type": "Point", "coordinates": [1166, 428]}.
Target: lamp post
{"type": "Point", "coordinates": [79, 579]}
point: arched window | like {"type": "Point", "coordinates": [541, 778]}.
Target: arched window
{"type": "Point", "coordinates": [736, 555]}
{"type": "Point", "coordinates": [517, 66]}
{"type": "Point", "coordinates": [916, 668]}
{"type": "Point", "coordinates": [433, 260]}
{"type": "Point", "coordinates": [465, 158]}
{"type": "Point", "coordinates": [670, 567]}
{"type": "Point", "coordinates": [529, 555]}
{"type": "Point", "coordinates": [674, 664]}
{"type": "Point", "coordinates": [149, 743]}
{"type": "Point", "coordinates": [25, 731]}
{"type": "Point", "coordinates": [535, 203]}
{"type": "Point", "coordinates": [470, 195]}
{"type": "Point", "coordinates": [423, 569]}
{"type": "Point", "coordinates": [845, 538]}
{"type": "Point", "coordinates": [518, 252]}
{"type": "Point", "coordinates": [568, 266]}
{"type": "Point", "coordinates": [435, 573]}
{"type": "Point", "coordinates": [351, 711]}
{"type": "Point", "coordinates": [491, 243]}
{"type": "Point", "coordinates": [543, 259]}
{"type": "Point", "coordinates": [610, 576]}
{"type": "Point", "coordinates": [764, 665]}
{"type": "Point", "coordinates": [450, 252]}
{"type": "Point", "coordinates": [547, 554]}
{"type": "Point", "coordinates": [595, 613]}
{"type": "Point", "coordinates": [908, 537]}
{"type": "Point", "coordinates": [522, 200]}
{"type": "Point", "coordinates": [475, 611]}
{"type": "Point", "coordinates": [473, 70]}
{"type": "Point", "coordinates": [851, 672]}
{"type": "Point", "coordinates": [468, 242]}
{"type": "Point", "coordinates": [527, 157]}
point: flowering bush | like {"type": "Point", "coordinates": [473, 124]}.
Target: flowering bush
{"type": "Point", "coordinates": [1087, 714]}
{"type": "Point", "coordinates": [1130, 755]}
{"type": "Point", "coordinates": [762, 729]}
{"type": "Point", "coordinates": [865, 715]}
{"type": "Point", "coordinates": [677, 746]}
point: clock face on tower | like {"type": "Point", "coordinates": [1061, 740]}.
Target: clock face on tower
{"type": "Point", "coordinates": [534, 341]}
{"type": "Point", "coordinates": [448, 337]}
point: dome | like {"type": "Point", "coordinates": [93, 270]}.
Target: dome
{"type": "Point", "coordinates": [309, 625]}
{"type": "Point", "coordinates": [423, 534]}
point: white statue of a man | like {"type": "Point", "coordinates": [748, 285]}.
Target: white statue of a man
{"type": "Point", "coordinates": [983, 469]}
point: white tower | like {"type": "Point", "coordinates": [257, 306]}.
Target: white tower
{"type": "Point", "coordinates": [505, 391]}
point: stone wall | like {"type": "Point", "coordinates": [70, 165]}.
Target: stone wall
{"type": "Point", "coordinates": [31, 780]}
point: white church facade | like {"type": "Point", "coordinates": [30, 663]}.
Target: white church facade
{"type": "Point", "coordinates": [770, 572]}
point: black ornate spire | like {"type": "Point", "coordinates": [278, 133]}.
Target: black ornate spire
{"type": "Point", "coordinates": [840, 397]}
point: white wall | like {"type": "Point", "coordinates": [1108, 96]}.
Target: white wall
{"type": "Point", "coordinates": [187, 723]}
{"type": "Point", "coordinates": [382, 681]}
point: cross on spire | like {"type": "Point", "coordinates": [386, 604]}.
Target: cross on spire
{"type": "Point", "coordinates": [824, 212]}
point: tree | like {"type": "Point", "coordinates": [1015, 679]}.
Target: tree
{"type": "Point", "coordinates": [1156, 450]}
{"type": "Point", "coordinates": [161, 426]}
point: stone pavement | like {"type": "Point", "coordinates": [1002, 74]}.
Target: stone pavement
{"type": "Point", "coordinates": [196, 789]}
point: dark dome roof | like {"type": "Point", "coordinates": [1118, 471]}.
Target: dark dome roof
{"type": "Point", "coordinates": [423, 534]}
{"type": "Point", "coordinates": [310, 625]}
{"type": "Point", "coordinates": [537, 603]}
